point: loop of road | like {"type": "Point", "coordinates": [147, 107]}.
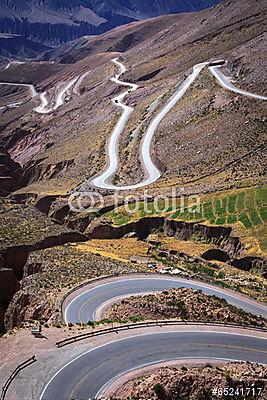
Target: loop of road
{"type": "Point", "coordinates": [87, 302]}
{"type": "Point", "coordinates": [90, 374]}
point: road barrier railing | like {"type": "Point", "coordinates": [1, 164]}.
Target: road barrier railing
{"type": "Point", "coordinates": [13, 375]}
{"type": "Point", "coordinates": [148, 324]}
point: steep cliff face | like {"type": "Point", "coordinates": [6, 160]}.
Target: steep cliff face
{"type": "Point", "coordinates": [55, 22]}
{"type": "Point", "coordinates": [24, 230]}
{"type": "Point", "coordinates": [10, 173]}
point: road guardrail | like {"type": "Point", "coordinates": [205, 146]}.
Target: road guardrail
{"type": "Point", "coordinates": [13, 375]}
{"type": "Point", "coordinates": [148, 324]}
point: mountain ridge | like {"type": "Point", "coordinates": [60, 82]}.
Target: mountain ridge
{"type": "Point", "coordinates": [54, 22]}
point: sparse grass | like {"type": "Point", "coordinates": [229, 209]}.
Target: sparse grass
{"type": "Point", "coordinates": [117, 249]}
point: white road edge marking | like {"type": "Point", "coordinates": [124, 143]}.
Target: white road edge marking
{"type": "Point", "coordinates": [129, 337]}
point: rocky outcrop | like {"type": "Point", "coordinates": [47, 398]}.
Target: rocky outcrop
{"type": "Point", "coordinates": [216, 254]}
{"type": "Point", "coordinates": [60, 213]}
{"type": "Point", "coordinates": [185, 230]}
{"type": "Point", "coordinates": [43, 203]}
{"type": "Point", "coordinates": [10, 173]}
{"type": "Point", "coordinates": [9, 285]}
{"type": "Point", "coordinates": [233, 247]}
{"type": "Point", "coordinates": [15, 257]}
{"type": "Point", "coordinates": [247, 263]}
{"type": "Point", "coordinates": [36, 170]}
{"type": "Point", "coordinates": [13, 260]}
{"type": "Point", "coordinates": [143, 227]}
{"type": "Point", "coordinates": [19, 312]}
{"type": "Point", "coordinates": [22, 198]}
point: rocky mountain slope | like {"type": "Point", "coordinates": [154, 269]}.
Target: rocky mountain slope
{"type": "Point", "coordinates": [17, 46]}
{"type": "Point", "coordinates": [212, 141]}
{"type": "Point", "coordinates": [197, 383]}
{"type": "Point", "coordinates": [211, 138]}
{"type": "Point", "coordinates": [54, 22]}
{"type": "Point", "coordinates": [182, 304]}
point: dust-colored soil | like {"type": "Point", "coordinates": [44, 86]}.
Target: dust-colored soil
{"type": "Point", "coordinates": [117, 249]}
{"type": "Point", "coordinates": [181, 303]}
{"type": "Point", "coordinates": [198, 383]}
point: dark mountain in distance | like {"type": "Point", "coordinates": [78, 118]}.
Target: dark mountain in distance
{"type": "Point", "coordinates": [15, 46]}
{"type": "Point", "coordinates": [52, 22]}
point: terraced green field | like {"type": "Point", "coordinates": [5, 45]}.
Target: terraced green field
{"type": "Point", "coordinates": [249, 206]}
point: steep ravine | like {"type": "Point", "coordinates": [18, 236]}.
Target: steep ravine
{"type": "Point", "coordinates": [179, 229]}
{"type": "Point", "coordinates": [12, 262]}
{"type": "Point", "coordinates": [13, 259]}
{"type": "Point", "coordinates": [228, 247]}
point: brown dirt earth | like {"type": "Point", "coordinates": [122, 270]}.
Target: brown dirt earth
{"type": "Point", "coordinates": [172, 383]}
{"type": "Point", "coordinates": [181, 303]}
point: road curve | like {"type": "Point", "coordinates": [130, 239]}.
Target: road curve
{"type": "Point", "coordinates": [43, 107]}
{"type": "Point", "coordinates": [76, 88]}
{"type": "Point", "coordinates": [29, 86]}
{"type": "Point", "coordinates": [87, 375]}
{"type": "Point", "coordinates": [226, 83]}
{"type": "Point", "coordinates": [13, 62]}
{"type": "Point", "coordinates": [59, 100]}
{"type": "Point", "coordinates": [87, 303]}
{"type": "Point", "coordinates": [151, 172]}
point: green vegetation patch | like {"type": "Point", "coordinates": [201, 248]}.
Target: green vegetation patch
{"type": "Point", "coordinates": [221, 206]}
{"type": "Point", "coordinates": [242, 217]}
{"type": "Point", "coordinates": [208, 210]}
{"type": "Point", "coordinates": [232, 200]}
{"type": "Point", "coordinates": [231, 219]}
{"type": "Point", "coordinates": [240, 201]}
{"type": "Point", "coordinates": [247, 206]}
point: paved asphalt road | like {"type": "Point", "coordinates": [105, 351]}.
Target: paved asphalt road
{"type": "Point", "coordinates": [85, 376]}
{"type": "Point", "coordinates": [83, 308]}
{"type": "Point", "coordinates": [226, 83]}
{"type": "Point", "coordinates": [152, 173]}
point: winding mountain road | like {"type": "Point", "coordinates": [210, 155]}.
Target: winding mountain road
{"type": "Point", "coordinates": [92, 372]}
{"type": "Point", "coordinates": [29, 86]}
{"type": "Point", "coordinates": [13, 62]}
{"type": "Point", "coordinates": [88, 302]}
{"type": "Point", "coordinates": [59, 100]}
{"type": "Point", "coordinates": [226, 83]}
{"type": "Point", "coordinates": [151, 172]}
{"type": "Point", "coordinates": [43, 107]}
{"type": "Point", "coordinates": [113, 162]}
